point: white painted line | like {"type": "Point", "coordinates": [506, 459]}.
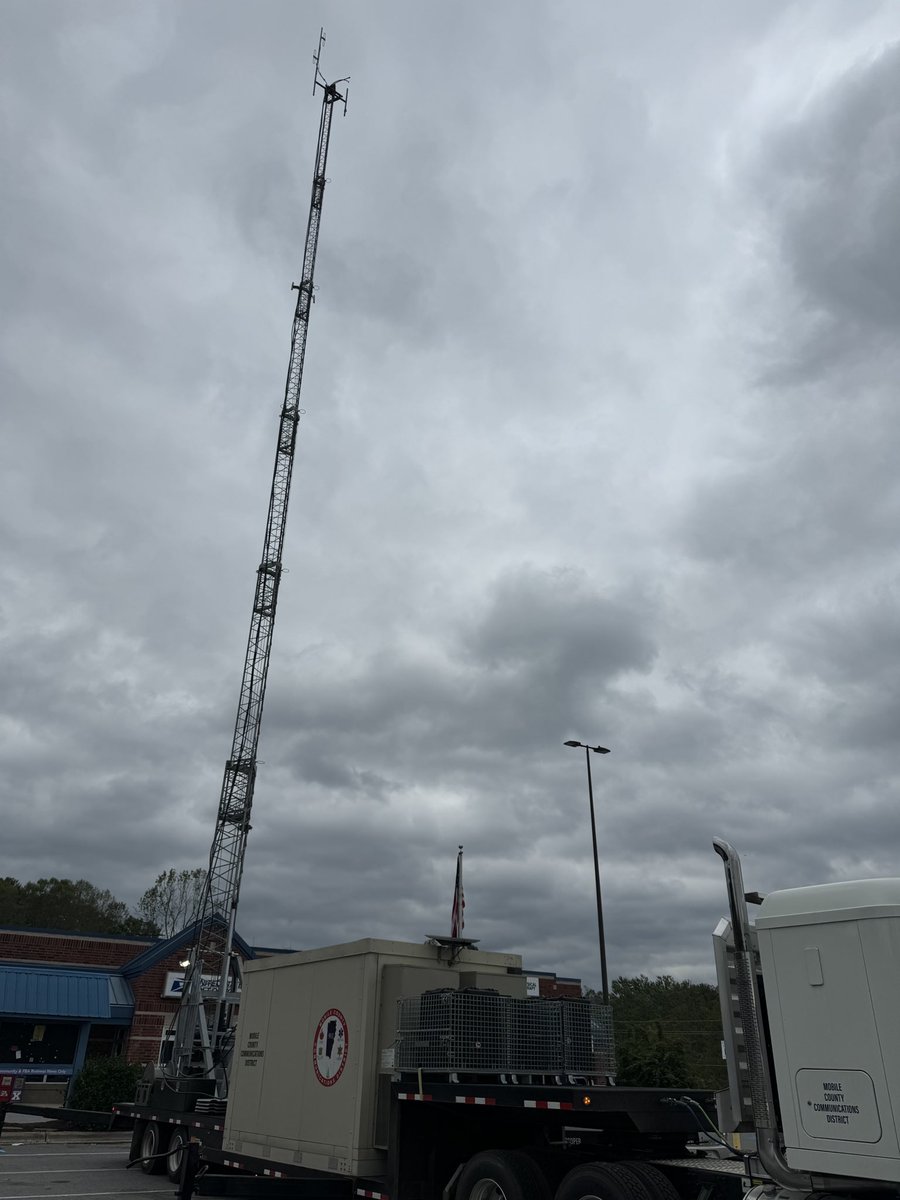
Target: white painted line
{"type": "Point", "coordinates": [74, 1195]}
{"type": "Point", "coordinates": [67, 1171]}
{"type": "Point", "coordinates": [69, 1151]}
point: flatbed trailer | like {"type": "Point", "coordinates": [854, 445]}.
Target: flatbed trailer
{"type": "Point", "coordinates": [438, 1132]}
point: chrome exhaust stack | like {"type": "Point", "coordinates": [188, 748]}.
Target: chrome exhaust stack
{"type": "Point", "coordinates": [762, 1094]}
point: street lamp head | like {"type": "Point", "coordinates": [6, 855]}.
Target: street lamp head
{"type": "Point", "coordinates": [582, 746]}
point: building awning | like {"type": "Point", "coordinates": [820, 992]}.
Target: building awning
{"type": "Point", "coordinates": [27, 991]}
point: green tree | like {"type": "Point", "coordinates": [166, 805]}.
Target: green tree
{"type": "Point", "coordinates": [668, 1033]}
{"type": "Point", "coordinates": [10, 901]}
{"type": "Point", "coordinates": [173, 900]}
{"type": "Point", "coordinates": [72, 904]}
{"type": "Point", "coordinates": [654, 1061]}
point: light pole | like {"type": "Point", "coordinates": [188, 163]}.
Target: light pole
{"type": "Point", "coordinates": [588, 750]}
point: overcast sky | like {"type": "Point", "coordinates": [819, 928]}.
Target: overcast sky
{"type": "Point", "coordinates": [601, 443]}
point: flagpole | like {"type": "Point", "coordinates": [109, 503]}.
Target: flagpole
{"type": "Point", "coordinates": [457, 912]}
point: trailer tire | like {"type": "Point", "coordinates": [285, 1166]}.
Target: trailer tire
{"type": "Point", "coordinates": [151, 1144]}
{"type": "Point", "coordinates": [658, 1184]}
{"type": "Point", "coordinates": [502, 1175]}
{"type": "Point", "coordinates": [175, 1156]}
{"type": "Point", "coordinates": [602, 1181]}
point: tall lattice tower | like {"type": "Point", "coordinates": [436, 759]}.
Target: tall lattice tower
{"type": "Point", "coordinates": [203, 1029]}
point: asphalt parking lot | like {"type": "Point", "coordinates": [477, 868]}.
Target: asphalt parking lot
{"type": "Point", "coordinates": [35, 1170]}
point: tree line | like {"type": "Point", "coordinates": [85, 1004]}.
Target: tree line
{"type": "Point", "coordinates": [75, 904]}
{"type": "Point", "coordinates": [668, 1033]}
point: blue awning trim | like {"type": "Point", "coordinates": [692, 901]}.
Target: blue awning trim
{"type": "Point", "coordinates": [29, 991]}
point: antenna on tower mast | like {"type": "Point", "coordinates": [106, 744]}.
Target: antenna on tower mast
{"type": "Point", "coordinates": [319, 80]}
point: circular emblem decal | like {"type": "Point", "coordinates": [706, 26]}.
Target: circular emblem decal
{"type": "Point", "coordinates": [330, 1047]}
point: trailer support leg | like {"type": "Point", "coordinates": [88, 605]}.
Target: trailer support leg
{"type": "Point", "coordinates": [190, 1164]}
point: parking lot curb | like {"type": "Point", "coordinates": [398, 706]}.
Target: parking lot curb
{"type": "Point", "coordinates": [115, 1137]}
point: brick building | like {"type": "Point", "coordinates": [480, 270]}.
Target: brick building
{"type": "Point", "coordinates": [65, 996]}
{"type": "Point", "coordinates": [550, 985]}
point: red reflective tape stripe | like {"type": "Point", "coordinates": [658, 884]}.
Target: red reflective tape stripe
{"type": "Point", "coordinates": [475, 1100]}
{"type": "Point", "coordinates": [548, 1104]}
{"type": "Point", "coordinates": [413, 1096]}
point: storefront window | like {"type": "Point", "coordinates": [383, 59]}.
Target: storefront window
{"type": "Point", "coordinates": [31, 1043]}
{"type": "Point", "coordinates": [105, 1041]}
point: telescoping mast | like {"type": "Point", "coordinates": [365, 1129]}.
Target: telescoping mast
{"type": "Point", "coordinates": [203, 1032]}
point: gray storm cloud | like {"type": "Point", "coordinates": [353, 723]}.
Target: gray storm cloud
{"type": "Point", "coordinates": [599, 444]}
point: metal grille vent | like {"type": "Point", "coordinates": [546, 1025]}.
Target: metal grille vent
{"type": "Point", "coordinates": [482, 1032]}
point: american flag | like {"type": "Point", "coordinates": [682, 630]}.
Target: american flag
{"type": "Point", "coordinates": [457, 915]}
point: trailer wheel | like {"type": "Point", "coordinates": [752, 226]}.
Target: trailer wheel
{"type": "Point", "coordinates": [502, 1175]}
{"type": "Point", "coordinates": [659, 1185]}
{"type": "Point", "coordinates": [177, 1143]}
{"type": "Point", "coordinates": [603, 1181]}
{"type": "Point", "coordinates": [150, 1146]}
